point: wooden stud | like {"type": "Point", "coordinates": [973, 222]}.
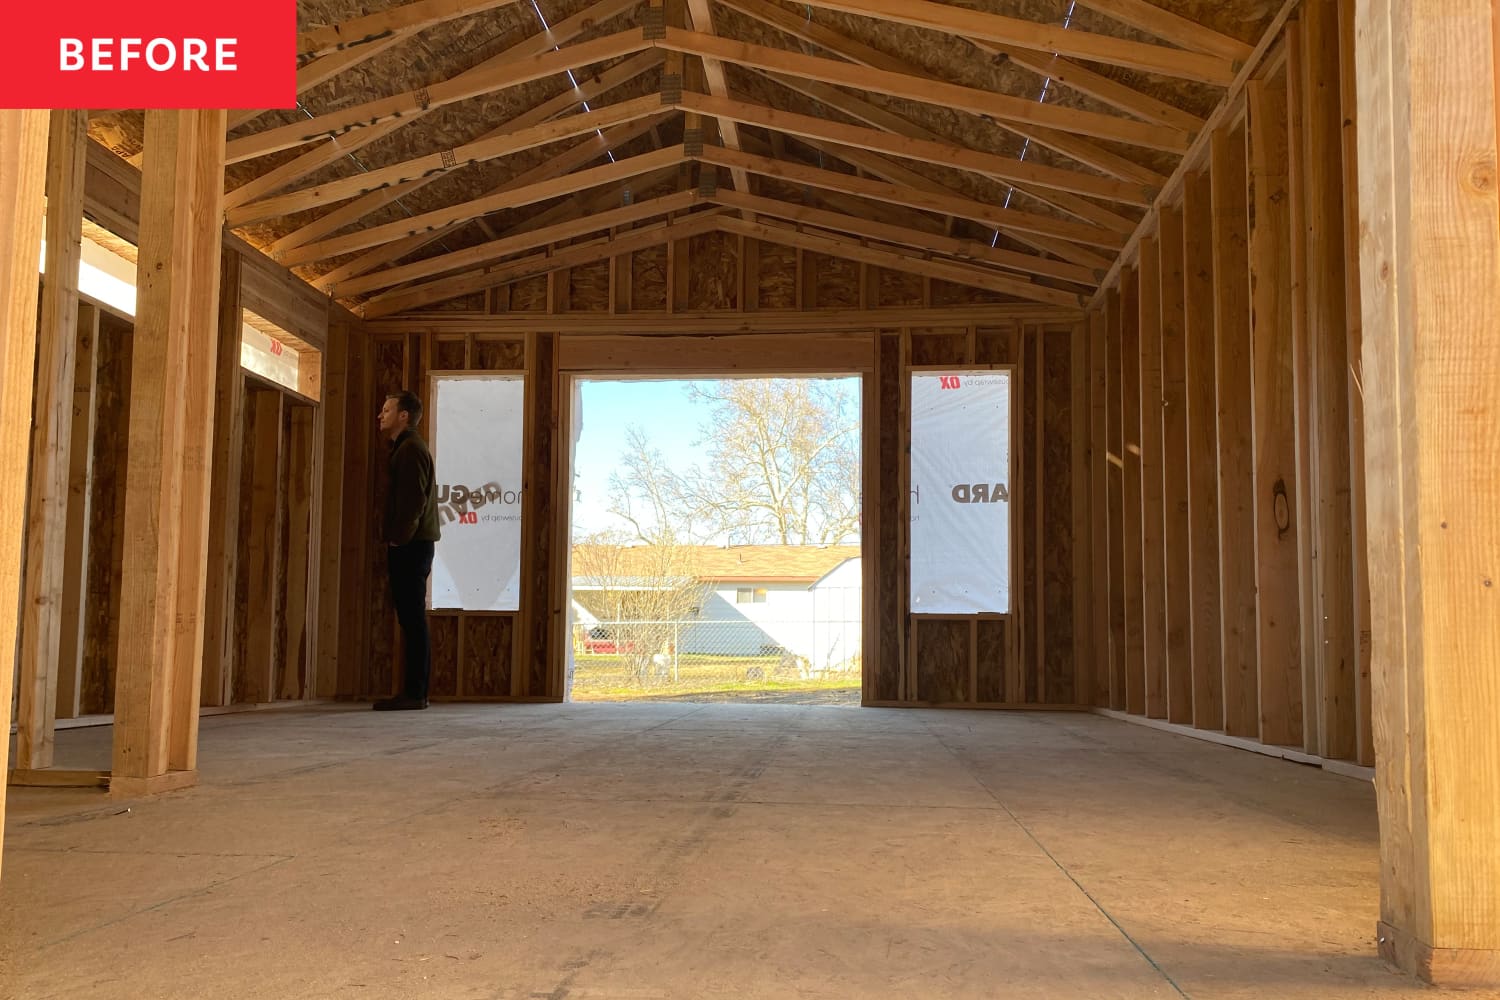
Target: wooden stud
{"type": "Point", "coordinates": [159, 665]}
{"type": "Point", "coordinates": [1153, 519]}
{"type": "Point", "coordinates": [298, 605]}
{"type": "Point", "coordinates": [1178, 594]}
{"type": "Point", "coordinates": [332, 414]}
{"type": "Point", "coordinates": [76, 554]}
{"type": "Point", "coordinates": [220, 599]}
{"type": "Point", "coordinates": [1134, 558]}
{"type": "Point", "coordinates": [1327, 317]}
{"type": "Point", "coordinates": [1200, 365]}
{"type": "Point", "coordinates": [1302, 369]}
{"type": "Point", "coordinates": [1115, 484]}
{"type": "Point", "coordinates": [1276, 530]}
{"type": "Point", "coordinates": [266, 425]}
{"type": "Point", "coordinates": [1236, 459]}
{"type": "Point", "coordinates": [47, 517]}
{"type": "Point", "coordinates": [1430, 258]}
{"type": "Point", "coordinates": [1098, 468]}
{"type": "Point", "coordinates": [23, 170]}
{"type": "Point", "coordinates": [1364, 747]}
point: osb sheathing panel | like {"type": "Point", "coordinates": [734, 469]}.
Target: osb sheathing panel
{"type": "Point", "coordinates": [486, 662]}
{"type": "Point", "coordinates": [499, 355]}
{"type": "Point", "coordinates": [648, 278]}
{"type": "Point", "coordinates": [994, 346]}
{"type": "Point", "coordinates": [448, 354]}
{"type": "Point", "coordinates": [713, 263]}
{"type": "Point", "coordinates": [529, 295]}
{"type": "Point", "coordinates": [588, 287]}
{"type": "Point", "coordinates": [898, 288]}
{"type": "Point", "coordinates": [942, 661]}
{"type": "Point", "coordinates": [946, 347]}
{"type": "Point", "coordinates": [777, 278]}
{"type": "Point", "coordinates": [992, 654]}
{"type": "Point", "coordinates": [444, 632]}
{"type": "Point", "coordinates": [835, 279]}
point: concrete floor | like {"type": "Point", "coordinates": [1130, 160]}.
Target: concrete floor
{"type": "Point", "coordinates": [655, 851]}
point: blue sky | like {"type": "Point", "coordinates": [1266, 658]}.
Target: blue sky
{"type": "Point", "coordinates": [672, 424]}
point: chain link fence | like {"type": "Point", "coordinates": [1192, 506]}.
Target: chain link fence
{"type": "Point", "coordinates": [755, 659]}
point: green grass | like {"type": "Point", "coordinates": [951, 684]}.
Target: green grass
{"type": "Point", "coordinates": [609, 678]}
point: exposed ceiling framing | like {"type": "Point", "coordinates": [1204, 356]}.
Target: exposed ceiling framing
{"type": "Point", "coordinates": [1009, 145]}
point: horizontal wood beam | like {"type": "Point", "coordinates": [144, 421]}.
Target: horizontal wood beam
{"type": "Point", "coordinates": [959, 21]}
{"type": "Point", "coordinates": [495, 250]}
{"type": "Point", "coordinates": [463, 211]}
{"type": "Point", "coordinates": [660, 323]}
{"type": "Point", "coordinates": [374, 27]}
{"type": "Point", "coordinates": [960, 273]}
{"type": "Point", "coordinates": [506, 74]}
{"type": "Point", "coordinates": [435, 165]}
{"type": "Point", "coordinates": [1171, 27]}
{"type": "Point", "coordinates": [544, 263]}
{"type": "Point", "coordinates": [962, 250]}
{"type": "Point", "coordinates": [1060, 70]}
{"type": "Point", "coordinates": [999, 218]}
{"type": "Point", "coordinates": [1000, 107]}
{"type": "Point", "coordinates": [1004, 168]}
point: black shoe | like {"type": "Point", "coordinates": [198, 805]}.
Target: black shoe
{"type": "Point", "coordinates": [400, 703]}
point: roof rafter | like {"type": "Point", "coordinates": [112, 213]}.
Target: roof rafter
{"type": "Point", "coordinates": [1172, 28]}
{"type": "Point", "coordinates": [999, 218]}
{"type": "Point", "coordinates": [486, 253]}
{"type": "Point", "coordinates": [481, 80]}
{"type": "Point", "coordinates": [1105, 49]}
{"type": "Point", "coordinates": [973, 275]}
{"type": "Point", "coordinates": [1005, 168]}
{"type": "Point", "coordinates": [578, 156]}
{"type": "Point", "coordinates": [334, 148]}
{"type": "Point", "coordinates": [1070, 74]}
{"type": "Point", "coordinates": [465, 211]}
{"type": "Point", "coordinates": [435, 165]}
{"type": "Point", "coordinates": [573, 256]}
{"type": "Point", "coordinates": [959, 249]}
{"type": "Point", "coordinates": [1000, 107]}
{"type": "Point", "coordinates": [375, 27]}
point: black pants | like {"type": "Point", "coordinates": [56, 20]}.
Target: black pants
{"type": "Point", "coordinates": [410, 565]}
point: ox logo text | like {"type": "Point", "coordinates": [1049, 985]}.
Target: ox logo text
{"type": "Point", "coordinates": [468, 517]}
{"type": "Point", "coordinates": [950, 381]}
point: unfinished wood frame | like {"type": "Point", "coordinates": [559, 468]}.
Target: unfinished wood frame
{"type": "Point", "coordinates": [168, 480]}
{"type": "Point", "coordinates": [23, 169]}
{"type": "Point", "coordinates": [1430, 255]}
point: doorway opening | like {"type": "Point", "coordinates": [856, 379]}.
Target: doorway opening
{"type": "Point", "coordinates": [715, 541]}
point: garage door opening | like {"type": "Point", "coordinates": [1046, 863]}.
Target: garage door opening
{"type": "Point", "coordinates": [715, 528]}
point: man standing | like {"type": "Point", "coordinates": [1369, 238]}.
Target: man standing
{"type": "Point", "coordinates": [411, 528]}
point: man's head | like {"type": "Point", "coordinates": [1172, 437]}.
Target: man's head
{"type": "Point", "coordinates": [402, 410]}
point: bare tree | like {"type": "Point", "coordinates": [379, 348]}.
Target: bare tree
{"type": "Point", "coordinates": [782, 466]}
{"type": "Point", "coordinates": [640, 593]}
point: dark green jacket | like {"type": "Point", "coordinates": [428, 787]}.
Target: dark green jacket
{"type": "Point", "coordinates": [411, 513]}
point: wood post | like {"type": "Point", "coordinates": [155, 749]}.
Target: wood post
{"type": "Point", "coordinates": [167, 481]}
{"type": "Point", "coordinates": [1130, 408]}
{"type": "Point", "coordinates": [23, 168]}
{"type": "Point", "coordinates": [265, 424]}
{"type": "Point", "coordinates": [1179, 594]}
{"type": "Point", "coordinates": [42, 609]}
{"type": "Point", "coordinates": [1430, 265]}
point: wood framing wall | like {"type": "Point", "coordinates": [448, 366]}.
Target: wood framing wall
{"type": "Point", "coordinates": [1224, 353]}
{"type": "Point", "coordinates": [692, 313]}
{"type": "Point", "coordinates": [80, 564]}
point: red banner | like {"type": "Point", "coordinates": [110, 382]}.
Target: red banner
{"type": "Point", "coordinates": [158, 54]}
